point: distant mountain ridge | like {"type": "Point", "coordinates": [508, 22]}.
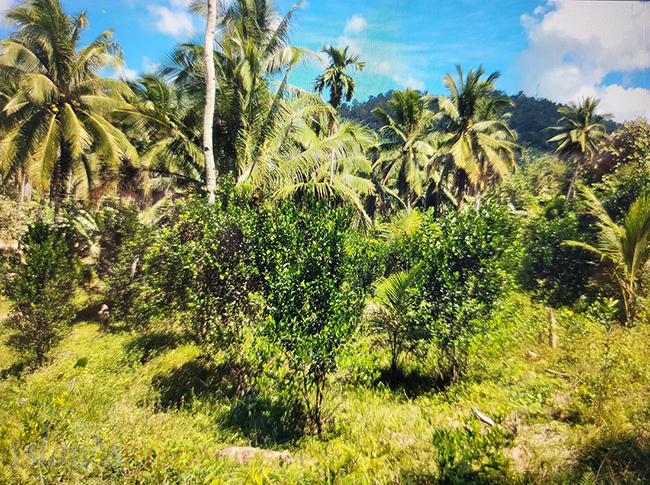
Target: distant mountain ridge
{"type": "Point", "coordinates": [529, 117]}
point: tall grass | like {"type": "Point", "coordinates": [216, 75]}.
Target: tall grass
{"type": "Point", "coordinates": [106, 391]}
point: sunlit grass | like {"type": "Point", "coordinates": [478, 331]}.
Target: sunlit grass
{"type": "Point", "coordinates": [6, 356]}
{"type": "Point", "coordinates": [377, 433]}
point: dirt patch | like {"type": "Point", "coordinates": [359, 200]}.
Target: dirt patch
{"type": "Point", "coordinates": [541, 443]}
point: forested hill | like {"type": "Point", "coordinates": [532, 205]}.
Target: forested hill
{"type": "Point", "coordinates": [529, 117]}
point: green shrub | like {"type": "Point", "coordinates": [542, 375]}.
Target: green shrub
{"type": "Point", "coordinates": [123, 242]}
{"type": "Point", "coordinates": [11, 222]}
{"type": "Point", "coordinates": [312, 311]}
{"type": "Point", "coordinates": [557, 274]}
{"type": "Point", "coordinates": [41, 291]}
{"type": "Point", "coordinates": [467, 256]}
{"type": "Point", "coordinates": [367, 260]}
{"type": "Point", "coordinates": [200, 266]}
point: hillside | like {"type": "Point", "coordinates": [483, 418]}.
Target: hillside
{"type": "Point", "coordinates": [529, 117]}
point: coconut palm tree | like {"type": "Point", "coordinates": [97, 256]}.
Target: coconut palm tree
{"type": "Point", "coordinates": [299, 148]}
{"type": "Point", "coordinates": [391, 312]}
{"type": "Point", "coordinates": [208, 112]}
{"type": "Point", "coordinates": [579, 132]}
{"type": "Point", "coordinates": [252, 47]}
{"type": "Point", "coordinates": [340, 84]}
{"type": "Point", "coordinates": [59, 113]}
{"type": "Point", "coordinates": [408, 143]}
{"type": "Point", "coordinates": [165, 125]}
{"type": "Point", "coordinates": [481, 147]}
{"type": "Point", "coordinates": [626, 246]}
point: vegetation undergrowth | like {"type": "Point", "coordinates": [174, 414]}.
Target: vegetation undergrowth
{"type": "Point", "coordinates": [280, 294]}
{"type": "Point", "coordinates": [100, 399]}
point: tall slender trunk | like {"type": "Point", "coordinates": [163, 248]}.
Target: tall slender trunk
{"type": "Point", "coordinates": [55, 190]}
{"type": "Point", "coordinates": [208, 115]}
{"type": "Point", "coordinates": [23, 189]}
{"type": "Point", "coordinates": [61, 170]}
{"type": "Point", "coordinates": [572, 184]}
{"type": "Point", "coordinates": [552, 327]}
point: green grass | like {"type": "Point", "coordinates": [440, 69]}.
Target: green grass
{"type": "Point", "coordinates": [590, 425]}
{"type": "Point", "coordinates": [6, 356]}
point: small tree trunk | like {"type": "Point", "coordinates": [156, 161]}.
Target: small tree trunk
{"type": "Point", "coordinates": [552, 328]}
{"type": "Point", "coordinates": [629, 307]}
{"type": "Point", "coordinates": [55, 192]}
{"type": "Point", "coordinates": [318, 411]}
{"type": "Point", "coordinates": [572, 184]}
{"type": "Point", "coordinates": [208, 115]}
{"type": "Point", "coordinates": [23, 189]}
{"type": "Point", "coordinates": [393, 365]}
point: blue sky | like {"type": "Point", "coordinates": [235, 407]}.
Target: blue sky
{"type": "Point", "coordinates": [559, 50]}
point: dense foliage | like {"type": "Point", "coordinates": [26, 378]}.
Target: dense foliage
{"type": "Point", "coordinates": [557, 274]}
{"type": "Point", "coordinates": [41, 291]}
{"type": "Point", "coordinates": [365, 272]}
{"type": "Point", "coordinates": [312, 311]}
{"type": "Point", "coordinates": [467, 259]}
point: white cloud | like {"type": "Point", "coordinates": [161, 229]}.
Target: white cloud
{"type": "Point", "coordinates": [148, 65]}
{"type": "Point", "coordinates": [386, 68]}
{"type": "Point", "coordinates": [174, 22]}
{"type": "Point", "coordinates": [354, 43]}
{"type": "Point", "coordinates": [125, 73]}
{"type": "Point", "coordinates": [573, 46]}
{"type": "Point", "coordinates": [4, 6]}
{"type": "Point", "coordinates": [624, 103]}
{"type": "Point", "coordinates": [409, 82]}
{"type": "Point", "coordinates": [180, 3]}
{"type": "Point", "coordinates": [355, 25]}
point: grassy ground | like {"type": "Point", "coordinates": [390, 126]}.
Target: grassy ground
{"type": "Point", "coordinates": [150, 410]}
{"type": "Point", "coordinates": [6, 356]}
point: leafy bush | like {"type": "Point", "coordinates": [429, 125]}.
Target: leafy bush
{"type": "Point", "coordinates": [41, 291]}
{"type": "Point", "coordinates": [629, 145]}
{"type": "Point", "coordinates": [621, 188]}
{"type": "Point", "coordinates": [366, 255]}
{"type": "Point", "coordinates": [11, 220]}
{"type": "Point", "coordinates": [123, 243]}
{"type": "Point", "coordinates": [467, 257]}
{"type": "Point", "coordinates": [311, 309]}
{"type": "Point", "coordinates": [557, 274]}
{"type": "Point", "coordinates": [200, 265]}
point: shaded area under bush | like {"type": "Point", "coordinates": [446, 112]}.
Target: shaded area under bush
{"type": "Point", "coordinates": [413, 383]}
{"type": "Point", "coordinates": [149, 345]}
{"type": "Point", "coordinates": [199, 378]}
{"type": "Point", "coordinates": [265, 421]}
{"type": "Point", "coordinates": [621, 458]}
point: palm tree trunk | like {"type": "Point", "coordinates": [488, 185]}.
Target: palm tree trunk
{"type": "Point", "coordinates": [461, 182]}
{"type": "Point", "coordinates": [23, 189]}
{"type": "Point", "coordinates": [629, 298]}
{"type": "Point", "coordinates": [208, 115]}
{"type": "Point", "coordinates": [55, 190]}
